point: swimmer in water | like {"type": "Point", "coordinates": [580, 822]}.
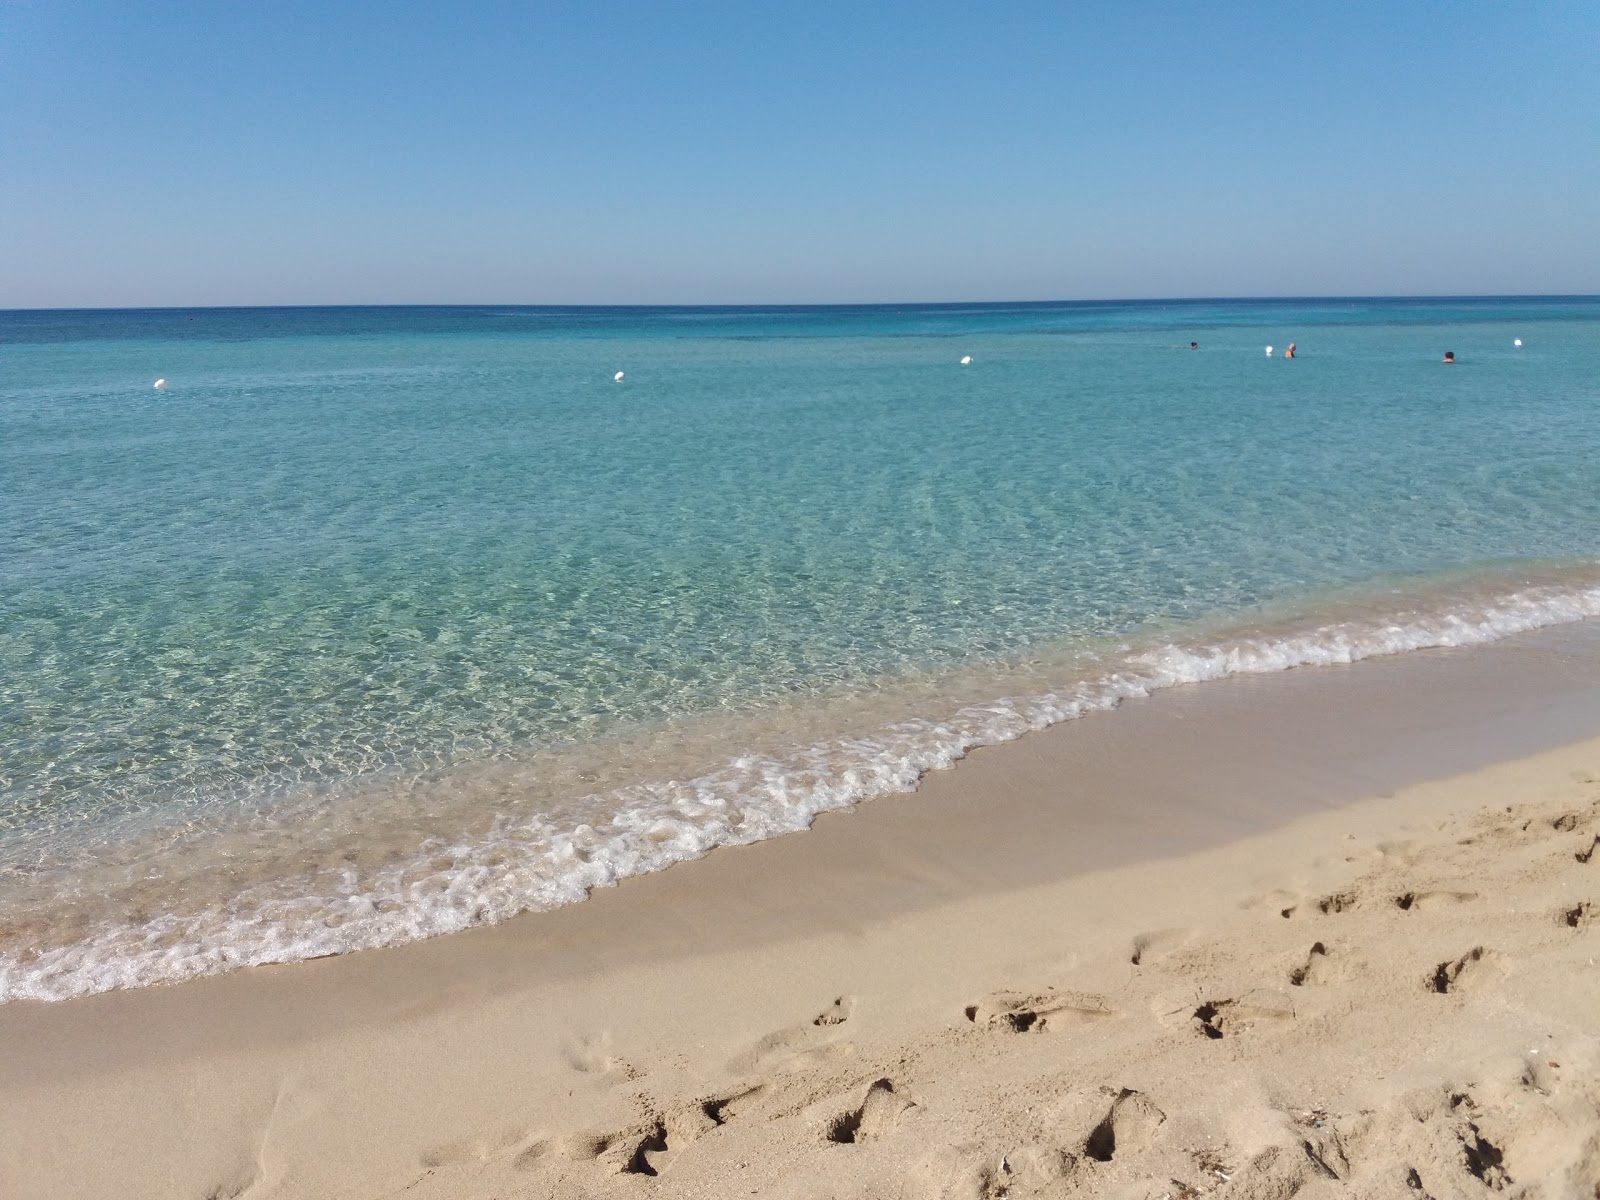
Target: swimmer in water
{"type": "Point", "coordinates": [1450, 357]}
{"type": "Point", "coordinates": [1289, 353]}
{"type": "Point", "coordinates": [1194, 345]}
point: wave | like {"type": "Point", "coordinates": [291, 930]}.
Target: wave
{"type": "Point", "coordinates": [521, 861]}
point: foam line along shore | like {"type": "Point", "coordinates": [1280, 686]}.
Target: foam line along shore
{"type": "Point", "coordinates": [515, 852]}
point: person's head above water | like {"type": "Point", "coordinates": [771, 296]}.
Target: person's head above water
{"type": "Point", "coordinates": [1194, 345]}
{"type": "Point", "coordinates": [1449, 356]}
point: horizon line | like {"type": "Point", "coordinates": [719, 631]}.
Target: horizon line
{"type": "Point", "coordinates": [810, 305]}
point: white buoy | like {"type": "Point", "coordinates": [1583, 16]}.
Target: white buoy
{"type": "Point", "coordinates": [160, 385]}
{"type": "Point", "coordinates": [619, 376]}
{"type": "Point", "coordinates": [967, 361]}
{"type": "Point", "coordinates": [1269, 351]}
{"type": "Point", "coordinates": [1517, 342]}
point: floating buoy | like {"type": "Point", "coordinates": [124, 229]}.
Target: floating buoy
{"type": "Point", "coordinates": [1517, 342]}
{"type": "Point", "coordinates": [619, 376]}
{"type": "Point", "coordinates": [160, 385]}
{"type": "Point", "coordinates": [967, 361]}
{"type": "Point", "coordinates": [1269, 351]}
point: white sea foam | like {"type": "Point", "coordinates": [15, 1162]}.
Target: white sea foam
{"type": "Point", "coordinates": [522, 864]}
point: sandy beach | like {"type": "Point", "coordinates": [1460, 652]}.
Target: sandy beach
{"type": "Point", "coordinates": [1332, 932]}
{"type": "Point", "coordinates": [808, 603]}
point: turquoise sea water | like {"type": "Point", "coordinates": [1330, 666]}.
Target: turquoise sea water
{"type": "Point", "coordinates": [381, 622]}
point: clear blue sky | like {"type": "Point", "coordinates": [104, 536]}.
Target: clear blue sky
{"type": "Point", "coordinates": [287, 152]}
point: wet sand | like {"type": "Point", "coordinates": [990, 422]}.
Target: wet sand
{"type": "Point", "coordinates": [937, 994]}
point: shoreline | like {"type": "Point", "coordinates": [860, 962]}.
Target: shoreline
{"type": "Point", "coordinates": [330, 871]}
{"type": "Point", "coordinates": [445, 1063]}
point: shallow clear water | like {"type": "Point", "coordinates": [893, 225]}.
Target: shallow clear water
{"type": "Point", "coordinates": [380, 622]}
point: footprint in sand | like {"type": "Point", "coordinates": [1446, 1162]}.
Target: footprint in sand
{"type": "Point", "coordinates": [1483, 1159]}
{"type": "Point", "coordinates": [836, 1013]}
{"type": "Point", "coordinates": [1230, 1017]}
{"type": "Point", "coordinates": [646, 1148]}
{"type": "Point", "coordinates": [1472, 970]}
{"type": "Point", "coordinates": [570, 1147]}
{"type": "Point", "coordinates": [1420, 901]}
{"type": "Point", "coordinates": [652, 1153]}
{"type": "Point", "coordinates": [1148, 947]}
{"type": "Point", "coordinates": [1541, 1075]}
{"type": "Point", "coordinates": [1579, 916]}
{"type": "Point", "coordinates": [1128, 1127]}
{"type": "Point", "coordinates": [665, 1139]}
{"type": "Point", "coordinates": [1338, 902]}
{"type": "Point", "coordinates": [1332, 903]}
{"type": "Point", "coordinates": [805, 1046]}
{"type": "Point", "coordinates": [1036, 1012]}
{"type": "Point", "coordinates": [475, 1149]}
{"type": "Point", "coordinates": [964, 1171]}
{"type": "Point", "coordinates": [874, 1118]}
{"type": "Point", "coordinates": [590, 1053]}
{"type": "Point", "coordinates": [1503, 828]}
{"type": "Point", "coordinates": [1316, 970]}
{"type": "Point", "coordinates": [1405, 853]}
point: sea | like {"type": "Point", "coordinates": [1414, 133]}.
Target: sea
{"type": "Point", "coordinates": [373, 624]}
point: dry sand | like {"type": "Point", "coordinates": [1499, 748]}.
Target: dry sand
{"type": "Point", "coordinates": [1166, 952]}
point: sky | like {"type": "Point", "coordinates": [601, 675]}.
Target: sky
{"type": "Point", "coordinates": [748, 152]}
